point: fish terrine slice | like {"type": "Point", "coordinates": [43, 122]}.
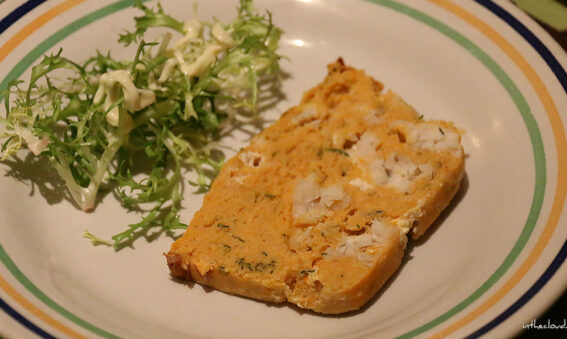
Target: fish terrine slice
{"type": "Point", "coordinates": [316, 211]}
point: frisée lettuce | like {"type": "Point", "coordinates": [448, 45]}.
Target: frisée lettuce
{"type": "Point", "coordinates": [140, 124]}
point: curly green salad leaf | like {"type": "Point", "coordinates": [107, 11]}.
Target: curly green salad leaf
{"type": "Point", "coordinates": [140, 124]}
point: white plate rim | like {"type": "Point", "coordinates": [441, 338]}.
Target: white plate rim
{"type": "Point", "coordinates": [548, 56]}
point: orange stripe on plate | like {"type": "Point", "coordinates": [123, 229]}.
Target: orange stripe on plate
{"type": "Point", "coordinates": [561, 144]}
{"type": "Point", "coordinates": [33, 26]}
{"type": "Point", "coordinates": [8, 47]}
{"type": "Point", "coordinates": [36, 311]}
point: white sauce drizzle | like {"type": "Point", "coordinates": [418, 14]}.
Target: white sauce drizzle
{"type": "Point", "coordinates": [222, 36]}
{"type": "Point", "coordinates": [112, 85]}
{"type": "Point", "coordinates": [194, 32]}
{"type": "Point", "coordinates": [203, 61]}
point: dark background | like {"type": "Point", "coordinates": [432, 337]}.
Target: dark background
{"type": "Point", "coordinates": [556, 314]}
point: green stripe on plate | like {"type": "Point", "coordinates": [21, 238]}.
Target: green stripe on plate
{"type": "Point", "coordinates": [495, 69]}
{"type": "Point", "coordinates": [15, 73]}
{"type": "Point", "coordinates": [45, 299]}
{"type": "Point", "coordinates": [58, 36]}
{"type": "Point", "coordinates": [537, 148]}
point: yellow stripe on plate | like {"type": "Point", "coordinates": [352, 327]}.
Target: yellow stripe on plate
{"type": "Point", "coordinates": [561, 144]}
{"type": "Point", "coordinates": [6, 49]}
{"type": "Point", "coordinates": [33, 26]}
{"type": "Point", "coordinates": [36, 311]}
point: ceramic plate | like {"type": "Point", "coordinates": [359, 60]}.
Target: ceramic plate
{"type": "Point", "coordinates": [491, 264]}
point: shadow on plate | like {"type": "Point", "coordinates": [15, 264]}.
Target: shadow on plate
{"type": "Point", "coordinates": [413, 244]}
{"type": "Point", "coordinates": [38, 173]}
{"type": "Point", "coordinates": [407, 257]}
